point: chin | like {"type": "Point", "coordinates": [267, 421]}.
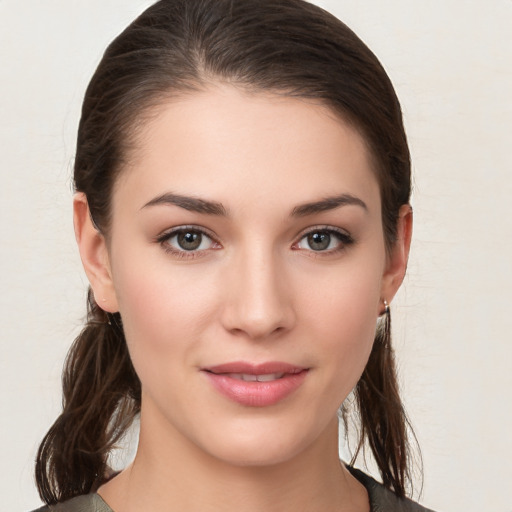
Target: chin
{"type": "Point", "coordinates": [264, 445]}
{"type": "Point", "coordinates": [257, 457]}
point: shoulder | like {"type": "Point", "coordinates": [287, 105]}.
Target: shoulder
{"type": "Point", "coordinates": [382, 499]}
{"type": "Point", "coordinates": [86, 503]}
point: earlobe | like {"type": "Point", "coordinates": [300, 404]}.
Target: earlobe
{"type": "Point", "coordinates": [94, 255]}
{"type": "Point", "coordinates": [397, 259]}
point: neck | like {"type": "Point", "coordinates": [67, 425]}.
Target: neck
{"type": "Point", "coordinates": [170, 474]}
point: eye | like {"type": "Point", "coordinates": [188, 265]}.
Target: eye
{"type": "Point", "coordinates": [186, 240]}
{"type": "Point", "coordinates": [324, 240]}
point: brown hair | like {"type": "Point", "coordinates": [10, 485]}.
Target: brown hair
{"type": "Point", "coordinates": [289, 47]}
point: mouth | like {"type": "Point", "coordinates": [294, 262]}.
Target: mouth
{"type": "Point", "coordinates": [258, 385]}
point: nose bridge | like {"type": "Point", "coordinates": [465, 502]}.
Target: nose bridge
{"type": "Point", "coordinates": [259, 303]}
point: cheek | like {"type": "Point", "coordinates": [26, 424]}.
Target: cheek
{"type": "Point", "coordinates": [342, 317]}
{"type": "Point", "coordinates": [164, 311]}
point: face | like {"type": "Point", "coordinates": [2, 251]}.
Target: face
{"type": "Point", "coordinates": [247, 260]}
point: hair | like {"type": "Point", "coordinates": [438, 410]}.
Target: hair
{"type": "Point", "coordinates": [287, 47]}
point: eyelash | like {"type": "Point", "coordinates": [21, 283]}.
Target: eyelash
{"type": "Point", "coordinates": [164, 238]}
{"type": "Point", "coordinates": [343, 237]}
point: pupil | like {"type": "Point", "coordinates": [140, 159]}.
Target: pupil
{"type": "Point", "coordinates": [319, 241]}
{"type": "Point", "coordinates": [189, 240]}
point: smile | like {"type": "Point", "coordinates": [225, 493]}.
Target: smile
{"type": "Point", "coordinates": [256, 385]}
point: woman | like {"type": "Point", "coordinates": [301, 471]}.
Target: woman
{"type": "Point", "coordinates": [243, 181]}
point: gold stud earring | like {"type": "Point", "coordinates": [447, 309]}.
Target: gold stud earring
{"type": "Point", "coordinates": [386, 308]}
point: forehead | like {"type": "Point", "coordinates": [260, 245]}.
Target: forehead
{"type": "Point", "coordinates": [264, 148]}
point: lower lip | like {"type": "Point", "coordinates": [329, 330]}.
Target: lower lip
{"type": "Point", "coordinates": [257, 394]}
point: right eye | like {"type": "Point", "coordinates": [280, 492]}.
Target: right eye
{"type": "Point", "coordinates": [186, 242]}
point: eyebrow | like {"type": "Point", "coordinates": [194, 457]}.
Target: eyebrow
{"type": "Point", "coordinates": [192, 204]}
{"type": "Point", "coordinates": [207, 207]}
{"type": "Point", "coordinates": [329, 203]}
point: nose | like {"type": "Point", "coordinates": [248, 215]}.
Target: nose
{"type": "Point", "coordinates": [258, 301]}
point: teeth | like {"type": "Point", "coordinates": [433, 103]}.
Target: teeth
{"type": "Point", "coordinates": [256, 378]}
{"type": "Point", "coordinates": [269, 376]}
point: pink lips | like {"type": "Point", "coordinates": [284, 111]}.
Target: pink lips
{"type": "Point", "coordinates": [256, 385]}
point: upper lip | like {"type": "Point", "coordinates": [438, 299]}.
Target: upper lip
{"type": "Point", "coordinates": [254, 369]}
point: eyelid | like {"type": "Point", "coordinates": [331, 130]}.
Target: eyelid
{"type": "Point", "coordinates": [322, 227]}
{"type": "Point", "coordinates": [166, 233]}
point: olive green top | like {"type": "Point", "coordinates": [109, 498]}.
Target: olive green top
{"type": "Point", "coordinates": [85, 503]}
{"type": "Point", "coordinates": [381, 500]}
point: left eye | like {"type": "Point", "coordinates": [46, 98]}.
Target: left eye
{"type": "Point", "coordinates": [188, 240]}
{"type": "Point", "coordinates": [323, 240]}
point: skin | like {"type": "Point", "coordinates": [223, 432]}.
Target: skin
{"type": "Point", "coordinates": [254, 291]}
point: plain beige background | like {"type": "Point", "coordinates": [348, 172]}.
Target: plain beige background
{"type": "Point", "coordinates": [450, 61]}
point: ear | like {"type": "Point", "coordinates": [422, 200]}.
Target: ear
{"type": "Point", "coordinates": [94, 255]}
{"type": "Point", "coordinates": [397, 259]}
